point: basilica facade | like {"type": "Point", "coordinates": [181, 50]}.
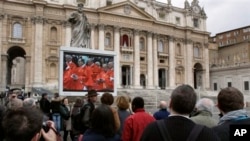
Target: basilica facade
{"type": "Point", "coordinates": [158, 45]}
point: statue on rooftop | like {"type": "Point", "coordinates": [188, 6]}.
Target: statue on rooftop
{"type": "Point", "coordinates": [80, 28]}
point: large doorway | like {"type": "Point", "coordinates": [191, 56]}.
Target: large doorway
{"type": "Point", "coordinates": [197, 75]}
{"type": "Point", "coordinates": [126, 76]}
{"type": "Point", "coordinates": [16, 67]}
{"type": "Point", "coordinates": [162, 78]}
{"type": "Point", "coordinates": [143, 80]}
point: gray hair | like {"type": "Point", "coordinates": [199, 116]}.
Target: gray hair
{"type": "Point", "coordinates": [29, 102]}
{"type": "Point", "coordinates": [205, 104]}
{"type": "Point", "coordinates": [163, 105]}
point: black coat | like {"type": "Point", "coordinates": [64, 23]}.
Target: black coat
{"type": "Point", "coordinates": [179, 129]}
{"type": "Point", "coordinates": [45, 105]}
{"type": "Point", "coordinates": [223, 130]}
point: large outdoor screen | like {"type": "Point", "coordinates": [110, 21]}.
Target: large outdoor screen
{"type": "Point", "coordinates": [86, 69]}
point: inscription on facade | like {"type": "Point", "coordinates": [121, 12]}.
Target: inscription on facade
{"type": "Point", "coordinates": [53, 11]}
{"type": "Point", "coordinates": [126, 20]}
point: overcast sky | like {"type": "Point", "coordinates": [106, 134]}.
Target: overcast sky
{"type": "Point", "coordinates": [223, 15]}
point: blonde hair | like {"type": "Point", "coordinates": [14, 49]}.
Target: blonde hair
{"type": "Point", "coordinates": [122, 102]}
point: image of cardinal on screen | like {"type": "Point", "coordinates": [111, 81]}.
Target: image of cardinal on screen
{"type": "Point", "coordinates": [87, 72]}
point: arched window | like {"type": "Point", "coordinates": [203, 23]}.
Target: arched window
{"type": "Point", "coordinates": [108, 40]}
{"type": "Point", "coordinates": [53, 33]}
{"type": "Point", "coordinates": [124, 41]}
{"type": "Point", "coordinates": [53, 70]}
{"type": "Point", "coordinates": [17, 30]}
{"type": "Point", "coordinates": [142, 44]}
{"type": "Point", "coordinates": [160, 46]}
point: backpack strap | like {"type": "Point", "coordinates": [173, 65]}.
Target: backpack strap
{"type": "Point", "coordinates": [163, 130]}
{"type": "Point", "coordinates": [195, 132]}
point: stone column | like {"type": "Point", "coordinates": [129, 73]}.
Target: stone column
{"type": "Point", "coordinates": [67, 34]}
{"type": "Point", "coordinates": [1, 46]}
{"type": "Point", "coordinates": [4, 59]}
{"type": "Point", "coordinates": [117, 51]}
{"type": "Point", "coordinates": [101, 37]}
{"type": "Point", "coordinates": [189, 63]}
{"type": "Point", "coordinates": [155, 62]}
{"type": "Point", "coordinates": [38, 52]}
{"type": "Point", "coordinates": [92, 38]}
{"type": "Point", "coordinates": [171, 63]}
{"type": "Point", "coordinates": [149, 61]}
{"type": "Point", "coordinates": [206, 58]}
{"type": "Point", "coordinates": [136, 60]}
{"type": "Point", "coordinates": [27, 74]}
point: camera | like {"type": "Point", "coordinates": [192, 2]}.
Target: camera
{"type": "Point", "coordinates": [45, 126]}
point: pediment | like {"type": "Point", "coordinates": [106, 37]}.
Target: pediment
{"type": "Point", "coordinates": [127, 9]}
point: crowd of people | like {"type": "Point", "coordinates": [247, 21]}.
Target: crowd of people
{"type": "Point", "coordinates": [88, 74]}
{"type": "Point", "coordinates": [182, 118]}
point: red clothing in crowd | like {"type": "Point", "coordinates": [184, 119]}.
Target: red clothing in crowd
{"type": "Point", "coordinates": [68, 82]}
{"type": "Point", "coordinates": [135, 124]}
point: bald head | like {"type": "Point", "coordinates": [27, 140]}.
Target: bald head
{"type": "Point", "coordinates": [205, 104]}
{"type": "Point", "coordinates": [163, 105]}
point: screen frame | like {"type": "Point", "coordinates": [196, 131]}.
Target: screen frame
{"type": "Point", "coordinates": [84, 51]}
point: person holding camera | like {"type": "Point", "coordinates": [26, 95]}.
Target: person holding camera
{"type": "Point", "coordinates": [21, 124]}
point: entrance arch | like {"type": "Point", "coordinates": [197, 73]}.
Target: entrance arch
{"type": "Point", "coordinates": [16, 66]}
{"type": "Point", "coordinates": [143, 80]}
{"type": "Point", "coordinates": [197, 75]}
{"type": "Point", "coordinates": [126, 76]}
{"type": "Point", "coordinates": [162, 78]}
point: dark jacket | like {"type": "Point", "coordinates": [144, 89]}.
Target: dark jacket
{"type": "Point", "coordinates": [123, 114]}
{"type": "Point", "coordinates": [223, 130]}
{"type": "Point", "coordinates": [161, 114]}
{"type": "Point", "coordinates": [179, 129]}
{"type": "Point", "coordinates": [2, 112]}
{"type": "Point", "coordinates": [55, 105]}
{"type": "Point", "coordinates": [45, 105]}
{"type": "Point", "coordinates": [91, 135]}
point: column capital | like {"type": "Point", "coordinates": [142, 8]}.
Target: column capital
{"type": "Point", "coordinates": [4, 57]}
{"type": "Point", "coordinates": [136, 32]}
{"type": "Point", "coordinates": [117, 28]}
{"type": "Point", "coordinates": [206, 45]}
{"type": "Point", "coordinates": [38, 19]}
{"type": "Point", "coordinates": [92, 26]}
{"type": "Point", "coordinates": [66, 24]}
{"type": "Point", "coordinates": [101, 26]}
{"type": "Point", "coordinates": [149, 34]}
{"type": "Point", "coordinates": [171, 38]}
{"type": "Point", "coordinates": [188, 41]}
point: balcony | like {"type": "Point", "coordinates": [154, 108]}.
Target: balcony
{"type": "Point", "coordinates": [162, 55]}
{"type": "Point", "coordinates": [17, 40]}
{"type": "Point", "coordinates": [126, 49]}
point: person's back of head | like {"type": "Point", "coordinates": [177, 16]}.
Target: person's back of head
{"type": "Point", "coordinates": [16, 103]}
{"type": "Point", "coordinates": [137, 103]}
{"type": "Point", "coordinates": [29, 102]}
{"type": "Point", "coordinates": [22, 124]}
{"type": "Point", "coordinates": [183, 100]}
{"type": "Point", "coordinates": [122, 102]}
{"type": "Point", "coordinates": [107, 99]}
{"type": "Point", "coordinates": [205, 104]}
{"type": "Point", "coordinates": [44, 95]}
{"type": "Point", "coordinates": [102, 121]}
{"type": "Point", "coordinates": [163, 105]}
{"type": "Point", "coordinates": [230, 99]}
